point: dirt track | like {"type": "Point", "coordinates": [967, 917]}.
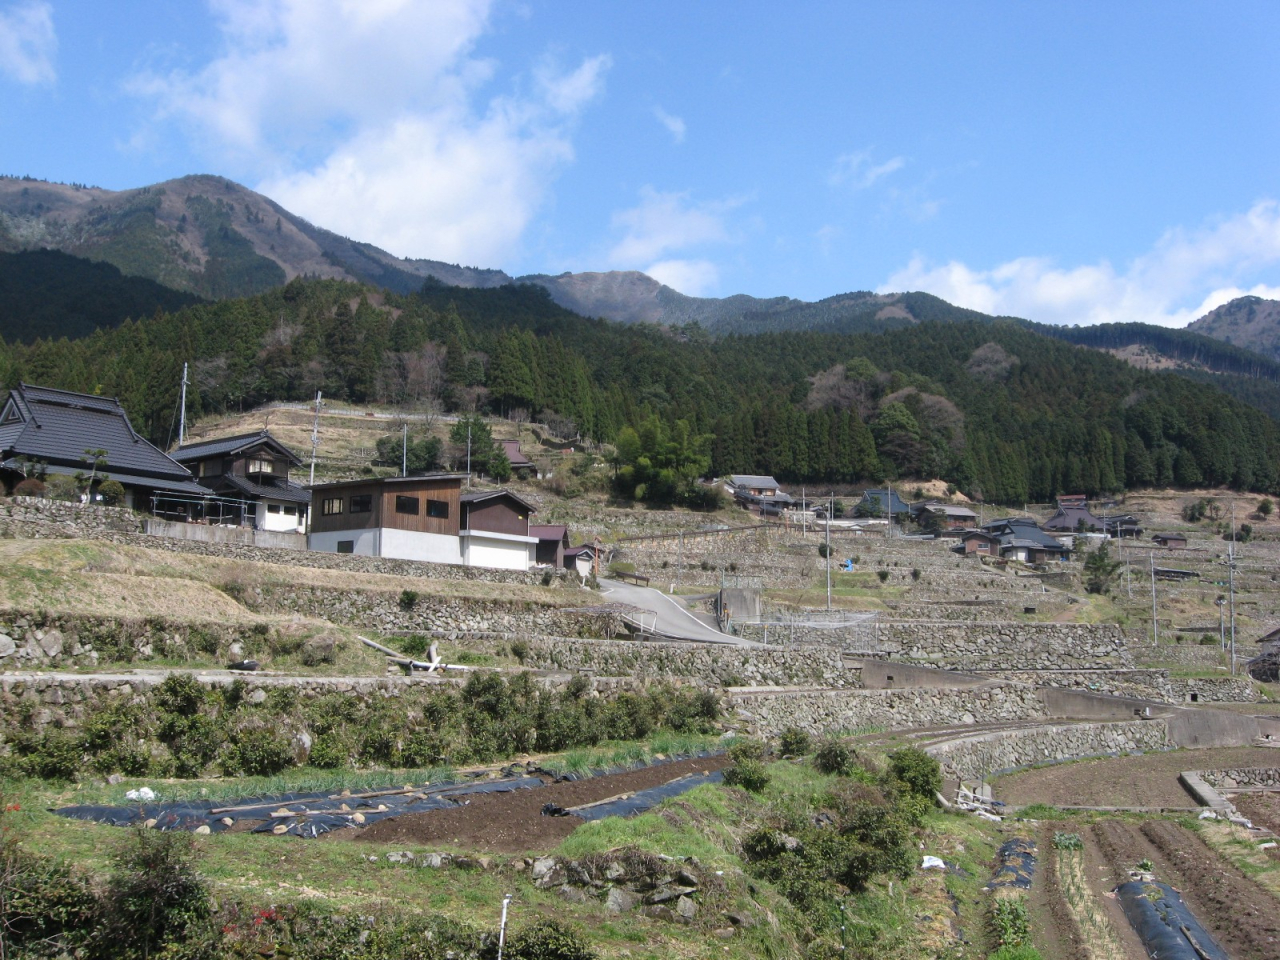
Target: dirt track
{"type": "Point", "coordinates": [1150, 780]}
{"type": "Point", "coordinates": [1243, 917]}
{"type": "Point", "coordinates": [513, 822]}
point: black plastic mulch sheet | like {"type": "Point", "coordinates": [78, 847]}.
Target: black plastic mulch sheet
{"type": "Point", "coordinates": [1017, 864]}
{"type": "Point", "coordinates": [635, 803]}
{"type": "Point", "coordinates": [1162, 921]}
{"type": "Point", "coordinates": [312, 814]}
{"type": "Point", "coordinates": [308, 814]}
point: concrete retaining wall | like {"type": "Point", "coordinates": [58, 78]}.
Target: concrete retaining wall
{"type": "Point", "coordinates": [219, 533]}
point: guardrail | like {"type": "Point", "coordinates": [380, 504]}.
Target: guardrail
{"type": "Point", "coordinates": [637, 578]}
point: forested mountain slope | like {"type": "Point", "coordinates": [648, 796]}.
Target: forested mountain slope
{"type": "Point", "coordinates": [45, 293]}
{"type": "Point", "coordinates": [1004, 412]}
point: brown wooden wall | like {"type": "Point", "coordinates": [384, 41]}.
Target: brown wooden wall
{"type": "Point", "coordinates": [384, 513]}
{"type": "Point", "coordinates": [499, 515]}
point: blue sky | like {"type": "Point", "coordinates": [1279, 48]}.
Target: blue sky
{"type": "Point", "coordinates": [1072, 163]}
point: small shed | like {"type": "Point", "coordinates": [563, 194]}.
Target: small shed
{"type": "Point", "coordinates": [1173, 541]}
{"type": "Point", "coordinates": [553, 541]}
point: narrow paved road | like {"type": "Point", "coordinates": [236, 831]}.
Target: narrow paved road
{"type": "Point", "coordinates": [669, 618]}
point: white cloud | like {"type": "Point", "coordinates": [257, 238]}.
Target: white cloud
{"type": "Point", "coordinates": [695, 278]}
{"type": "Point", "coordinates": [667, 223]}
{"type": "Point", "coordinates": [1184, 275]}
{"type": "Point", "coordinates": [675, 125]}
{"type": "Point", "coordinates": [28, 43]}
{"type": "Point", "coordinates": [858, 172]}
{"type": "Point", "coordinates": [663, 222]}
{"type": "Point", "coordinates": [362, 116]}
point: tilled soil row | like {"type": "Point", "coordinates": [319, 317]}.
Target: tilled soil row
{"type": "Point", "coordinates": [1057, 935]}
{"type": "Point", "coordinates": [1243, 917]}
{"type": "Point", "coordinates": [513, 822]}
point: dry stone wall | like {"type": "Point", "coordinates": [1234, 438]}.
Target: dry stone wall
{"type": "Point", "coordinates": [1005, 646]}
{"type": "Point", "coordinates": [1266, 777]}
{"type": "Point", "coordinates": [767, 713]}
{"type": "Point", "coordinates": [1154, 685]}
{"type": "Point", "coordinates": [984, 755]}
{"type": "Point", "coordinates": [693, 663]}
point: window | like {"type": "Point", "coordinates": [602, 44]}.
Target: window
{"type": "Point", "coordinates": [210, 468]}
{"type": "Point", "coordinates": [362, 503]}
{"type": "Point", "coordinates": [346, 546]}
{"type": "Point", "coordinates": [331, 507]}
{"type": "Point", "coordinates": [408, 504]}
{"type": "Point", "coordinates": [259, 466]}
{"type": "Point", "coordinates": [293, 511]}
{"type": "Point", "coordinates": [273, 508]}
{"type": "Point", "coordinates": [438, 509]}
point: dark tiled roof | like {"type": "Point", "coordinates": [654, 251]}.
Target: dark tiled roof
{"type": "Point", "coordinates": [883, 499]}
{"type": "Point", "coordinates": [226, 446]}
{"type": "Point", "coordinates": [57, 426]}
{"type": "Point", "coordinates": [512, 449]}
{"type": "Point", "coordinates": [154, 483]}
{"type": "Point", "coordinates": [1069, 519]}
{"type": "Point", "coordinates": [287, 490]}
{"type": "Point", "coordinates": [481, 495]}
{"type": "Point", "coordinates": [549, 531]}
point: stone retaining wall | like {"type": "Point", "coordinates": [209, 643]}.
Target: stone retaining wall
{"type": "Point", "coordinates": [702, 664]}
{"type": "Point", "coordinates": [1141, 684]}
{"type": "Point", "coordinates": [384, 612]}
{"type": "Point", "coordinates": [767, 713]}
{"type": "Point", "coordinates": [1189, 655]}
{"type": "Point", "coordinates": [1268, 777]}
{"type": "Point", "coordinates": [984, 755]}
{"type": "Point", "coordinates": [1005, 646]}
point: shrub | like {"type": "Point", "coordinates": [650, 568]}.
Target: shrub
{"type": "Point", "coordinates": [53, 756]}
{"type": "Point", "coordinates": [1265, 507]}
{"type": "Point", "coordinates": [549, 940]}
{"type": "Point", "coordinates": [30, 487]}
{"type": "Point", "coordinates": [744, 748]}
{"type": "Point", "coordinates": [330, 751]}
{"type": "Point", "coordinates": [794, 742]}
{"type": "Point", "coordinates": [155, 897]}
{"type": "Point", "coordinates": [823, 550]}
{"type": "Point", "coordinates": [408, 600]}
{"type": "Point", "coordinates": [548, 577]}
{"type": "Point", "coordinates": [915, 573]}
{"type": "Point", "coordinates": [883, 575]}
{"type": "Point", "coordinates": [258, 752]}
{"type": "Point", "coordinates": [520, 650]}
{"type": "Point", "coordinates": [833, 756]}
{"type": "Point", "coordinates": [61, 487]}
{"type": "Point", "coordinates": [47, 908]}
{"type": "Point", "coordinates": [112, 493]}
{"type": "Point", "coordinates": [179, 693]}
{"type": "Point", "coordinates": [748, 774]}
{"type": "Point", "coordinates": [918, 771]}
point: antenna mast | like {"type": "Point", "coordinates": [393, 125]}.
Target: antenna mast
{"type": "Point", "coordinates": [182, 416]}
{"type": "Point", "coordinates": [315, 439]}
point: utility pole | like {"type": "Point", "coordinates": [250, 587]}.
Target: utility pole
{"type": "Point", "coordinates": [1155, 624]}
{"type": "Point", "coordinates": [1222, 630]}
{"type": "Point", "coordinates": [315, 438]}
{"type": "Point", "coordinates": [404, 451]}
{"type": "Point", "coordinates": [468, 453]}
{"type": "Point", "coordinates": [1231, 584]}
{"type": "Point", "coordinates": [182, 416]}
{"type": "Point", "coordinates": [680, 560]}
{"type": "Point", "coordinates": [804, 512]}
{"type": "Point", "coordinates": [830, 507]}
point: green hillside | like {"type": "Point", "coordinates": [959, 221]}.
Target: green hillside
{"type": "Point", "coordinates": [1001, 410]}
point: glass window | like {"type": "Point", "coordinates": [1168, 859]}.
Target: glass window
{"type": "Point", "coordinates": [346, 546]}
{"type": "Point", "coordinates": [438, 509]}
{"type": "Point", "coordinates": [362, 503]}
{"type": "Point", "coordinates": [273, 508]}
{"type": "Point", "coordinates": [290, 511]}
{"type": "Point", "coordinates": [408, 504]}
{"type": "Point", "coordinates": [260, 466]}
{"type": "Point", "coordinates": [331, 507]}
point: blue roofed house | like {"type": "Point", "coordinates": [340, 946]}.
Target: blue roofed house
{"type": "Point", "coordinates": [1020, 538]}
{"type": "Point", "coordinates": [249, 476]}
{"type": "Point", "coordinates": [45, 431]}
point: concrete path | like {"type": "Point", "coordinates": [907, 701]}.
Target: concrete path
{"type": "Point", "coordinates": [669, 618]}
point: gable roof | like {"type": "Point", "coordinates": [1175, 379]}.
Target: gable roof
{"type": "Point", "coordinates": [887, 500]}
{"type": "Point", "coordinates": [1070, 518]}
{"type": "Point", "coordinates": [230, 446]}
{"type": "Point", "coordinates": [550, 531]}
{"type": "Point", "coordinates": [946, 509]}
{"type": "Point", "coordinates": [512, 449]}
{"type": "Point", "coordinates": [283, 490]}
{"type": "Point", "coordinates": [753, 482]}
{"type": "Point", "coordinates": [1024, 530]}
{"type": "Point", "coordinates": [480, 496]}
{"type": "Point", "coordinates": [57, 426]}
